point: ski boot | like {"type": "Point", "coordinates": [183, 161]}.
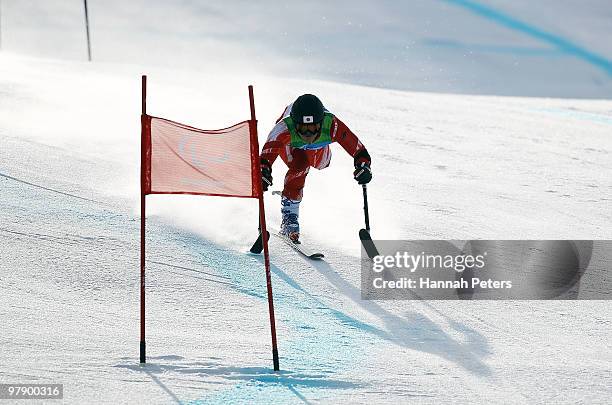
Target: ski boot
{"type": "Point", "coordinates": [290, 227]}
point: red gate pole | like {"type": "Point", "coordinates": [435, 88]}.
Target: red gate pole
{"type": "Point", "coordinates": [143, 219]}
{"type": "Point", "coordinates": [262, 222]}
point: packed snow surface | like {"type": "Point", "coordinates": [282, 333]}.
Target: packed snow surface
{"type": "Point", "coordinates": [445, 166]}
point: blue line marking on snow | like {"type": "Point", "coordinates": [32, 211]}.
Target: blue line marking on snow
{"type": "Point", "coordinates": [513, 23]}
{"type": "Point", "coordinates": [580, 115]}
{"type": "Point", "coordinates": [339, 315]}
{"type": "Point", "coordinates": [317, 351]}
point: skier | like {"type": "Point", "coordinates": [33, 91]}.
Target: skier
{"type": "Point", "coordinates": [301, 137]}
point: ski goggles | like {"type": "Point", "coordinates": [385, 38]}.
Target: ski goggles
{"type": "Point", "coordinates": [308, 130]}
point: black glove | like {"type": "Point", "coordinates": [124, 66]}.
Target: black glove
{"type": "Point", "coordinates": [266, 175]}
{"type": "Point", "coordinates": [362, 173]}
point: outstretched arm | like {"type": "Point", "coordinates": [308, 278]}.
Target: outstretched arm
{"type": "Point", "coordinates": [353, 146]}
{"type": "Point", "coordinates": [277, 140]}
{"type": "Point", "coordinates": [349, 141]}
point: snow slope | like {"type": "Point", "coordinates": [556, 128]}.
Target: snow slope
{"type": "Point", "coordinates": [445, 166]}
{"type": "Point", "coordinates": [525, 48]}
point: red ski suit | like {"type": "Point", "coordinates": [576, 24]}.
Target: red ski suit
{"type": "Point", "coordinates": [299, 161]}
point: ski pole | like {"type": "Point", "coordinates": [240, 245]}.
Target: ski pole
{"type": "Point", "coordinates": [365, 207]}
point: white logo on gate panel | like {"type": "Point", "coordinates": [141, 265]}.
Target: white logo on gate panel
{"type": "Point", "coordinates": [192, 155]}
{"type": "Point", "coordinates": [308, 119]}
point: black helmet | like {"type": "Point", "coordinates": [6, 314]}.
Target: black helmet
{"type": "Point", "coordinates": [307, 109]}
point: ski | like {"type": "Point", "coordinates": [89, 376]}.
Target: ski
{"type": "Point", "coordinates": [368, 244]}
{"type": "Point", "coordinates": [258, 245]}
{"type": "Point", "coordinates": [299, 247]}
